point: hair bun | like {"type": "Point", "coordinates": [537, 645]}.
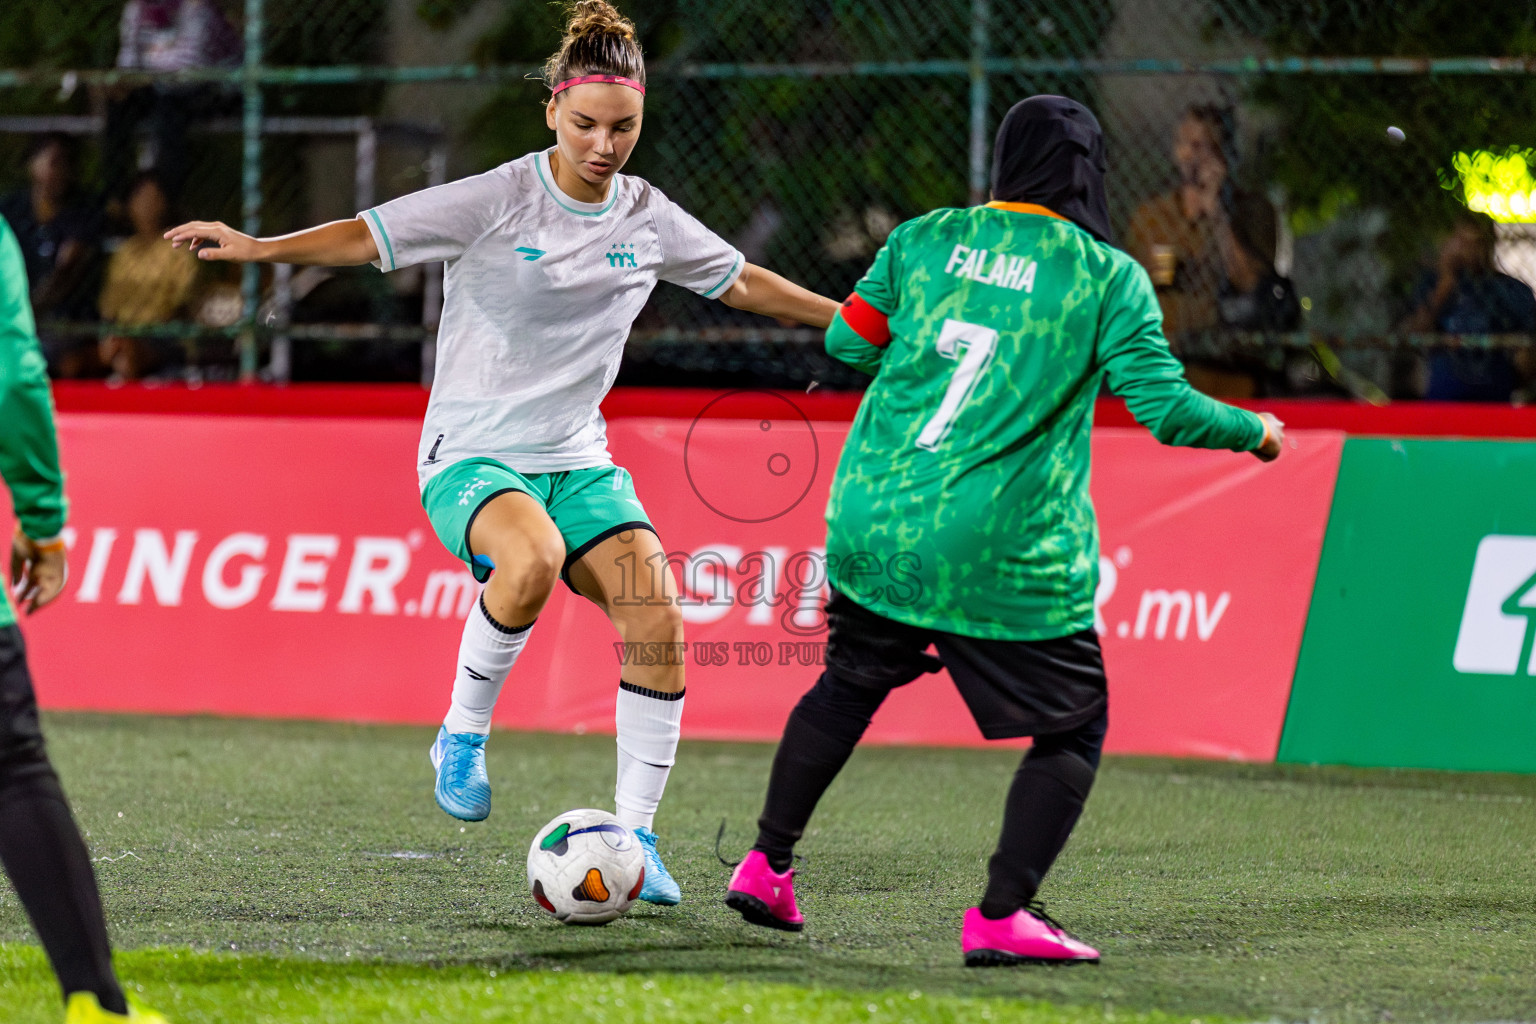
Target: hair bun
{"type": "Point", "coordinates": [598, 41]}
{"type": "Point", "coordinates": [597, 18]}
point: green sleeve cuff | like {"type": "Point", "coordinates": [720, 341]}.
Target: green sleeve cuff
{"type": "Point", "coordinates": [44, 532]}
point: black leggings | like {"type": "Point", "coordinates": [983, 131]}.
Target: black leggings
{"type": "Point", "coordinates": [40, 846]}
{"type": "Point", "coordinates": [1044, 802]}
{"type": "Point", "coordinates": [1049, 790]}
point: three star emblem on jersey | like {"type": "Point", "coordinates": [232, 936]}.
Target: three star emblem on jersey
{"type": "Point", "coordinates": [622, 255]}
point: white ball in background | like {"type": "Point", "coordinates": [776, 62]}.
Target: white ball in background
{"type": "Point", "coordinates": [1395, 134]}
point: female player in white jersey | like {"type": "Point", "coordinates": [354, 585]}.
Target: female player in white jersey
{"type": "Point", "coordinates": [549, 259]}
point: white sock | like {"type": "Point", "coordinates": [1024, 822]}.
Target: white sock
{"type": "Point", "coordinates": [648, 723]}
{"type": "Point", "coordinates": [486, 654]}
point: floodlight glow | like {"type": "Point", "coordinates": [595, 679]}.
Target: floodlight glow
{"type": "Point", "coordinates": [1498, 184]}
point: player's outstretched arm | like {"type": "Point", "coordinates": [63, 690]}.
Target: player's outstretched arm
{"type": "Point", "coordinates": [1140, 368]}
{"type": "Point", "coordinates": [762, 291]}
{"type": "Point", "coordinates": [341, 243]}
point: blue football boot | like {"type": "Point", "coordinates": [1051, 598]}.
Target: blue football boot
{"type": "Point", "coordinates": [660, 887]}
{"type": "Point", "coordinates": [463, 790]}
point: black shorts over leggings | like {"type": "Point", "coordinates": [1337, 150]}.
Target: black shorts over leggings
{"type": "Point", "coordinates": [1012, 687]}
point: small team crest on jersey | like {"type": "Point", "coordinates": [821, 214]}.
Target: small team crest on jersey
{"type": "Point", "coordinates": [622, 255]}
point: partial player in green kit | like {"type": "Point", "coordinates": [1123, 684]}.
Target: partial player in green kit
{"type": "Point", "coordinates": [40, 845]}
{"type": "Point", "coordinates": [960, 515]}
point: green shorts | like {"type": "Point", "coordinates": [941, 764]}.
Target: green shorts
{"type": "Point", "coordinates": [587, 505]}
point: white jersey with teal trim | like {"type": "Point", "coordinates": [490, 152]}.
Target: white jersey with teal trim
{"type": "Point", "coordinates": [539, 292]}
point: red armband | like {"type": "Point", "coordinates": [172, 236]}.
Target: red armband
{"type": "Point", "coordinates": [867, 321]}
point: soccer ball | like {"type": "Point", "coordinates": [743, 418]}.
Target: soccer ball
{"type": "Point", "coordinates": [585, 868]}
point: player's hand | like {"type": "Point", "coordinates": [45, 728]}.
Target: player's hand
{"type": "Point", "coordinates": [1274, 438]}
{"type": "Point", "coordinates": [215, 240]}
{"type": "Point", "coordinates": [38, 572]}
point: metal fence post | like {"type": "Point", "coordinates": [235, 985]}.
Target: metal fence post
{"type": "Point", "coordinates": [366, 171]}
{"type": "Point", "coordinates": [280, 360]}
{"type": "Point", "coordinates": [981, 12]}
{"type": "Point", "coordinates": [250, 180]}
{"type": "Point", "coordinates": [432, 289]}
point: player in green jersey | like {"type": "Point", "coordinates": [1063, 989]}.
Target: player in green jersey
{"type": "Point", "coordinates": [40, 845]}
{"type": "Point", "coordinates": [960, 515]}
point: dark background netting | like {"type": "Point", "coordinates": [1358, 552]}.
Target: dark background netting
{"type": "Point", "coordinates": [804, 132]}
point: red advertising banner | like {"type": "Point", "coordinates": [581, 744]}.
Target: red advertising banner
{"type": "Point", "coordinates": [1208, 561]}
{"type": "Point", "coordinates": [283, 567]}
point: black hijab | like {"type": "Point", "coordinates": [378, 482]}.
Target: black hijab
{"type": "Point", "coordinates": [1050, 152]}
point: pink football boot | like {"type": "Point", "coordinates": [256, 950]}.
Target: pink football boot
{"type": "Point", "coordinates": [1026, 937]}
{"type": "Point", "coordinates": [763, 896]}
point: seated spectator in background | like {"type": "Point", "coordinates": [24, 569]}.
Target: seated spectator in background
{"type": "Point", "coordinates": [1206, 242]}
{"type": "Point", "coordinates": [60, 236]}
{"type": "Point", "coordinates": [148, 282]}
{"type": "Point", "coordinates": [1466, 294]}
{"type": "Point", "coordinates": [165, 35]}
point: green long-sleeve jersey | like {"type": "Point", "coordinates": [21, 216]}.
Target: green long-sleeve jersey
{"type": "Point", "coordinates": [961, 498]}
{"type": "Point", "coordinates": [29, 446]}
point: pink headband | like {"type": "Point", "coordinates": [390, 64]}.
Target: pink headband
{"type": "Point", "coordinates": [608, 79]}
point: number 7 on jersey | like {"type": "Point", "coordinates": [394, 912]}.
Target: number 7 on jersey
{"type": "Point", "coordinates": [972, 345]}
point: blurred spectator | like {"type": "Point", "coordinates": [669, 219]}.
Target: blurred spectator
{"type": "Point", "coordinates": [1466, 294]}
{"type": "Point", "coordinates": [148, 282]}
{"type": "Point", "coordinates": [166, 35]}
{"type": "Point", "coordinates": [1255, 296]}
{"type": "Point", "coordinates": [1210, 251]}
{"type": "Point", "coordinates": [60, 235]}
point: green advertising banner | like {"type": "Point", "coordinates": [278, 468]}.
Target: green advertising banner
{"type": "Point", "coordinates": [1418, 651]}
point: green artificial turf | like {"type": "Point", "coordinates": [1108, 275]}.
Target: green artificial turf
{"type": "Point", "coordinates": [313, 856]}
{"type": "Point", "coordinates": [239, 989]}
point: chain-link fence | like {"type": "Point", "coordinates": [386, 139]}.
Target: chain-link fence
{"type": "Point", "coordinates": [1287, 170]}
